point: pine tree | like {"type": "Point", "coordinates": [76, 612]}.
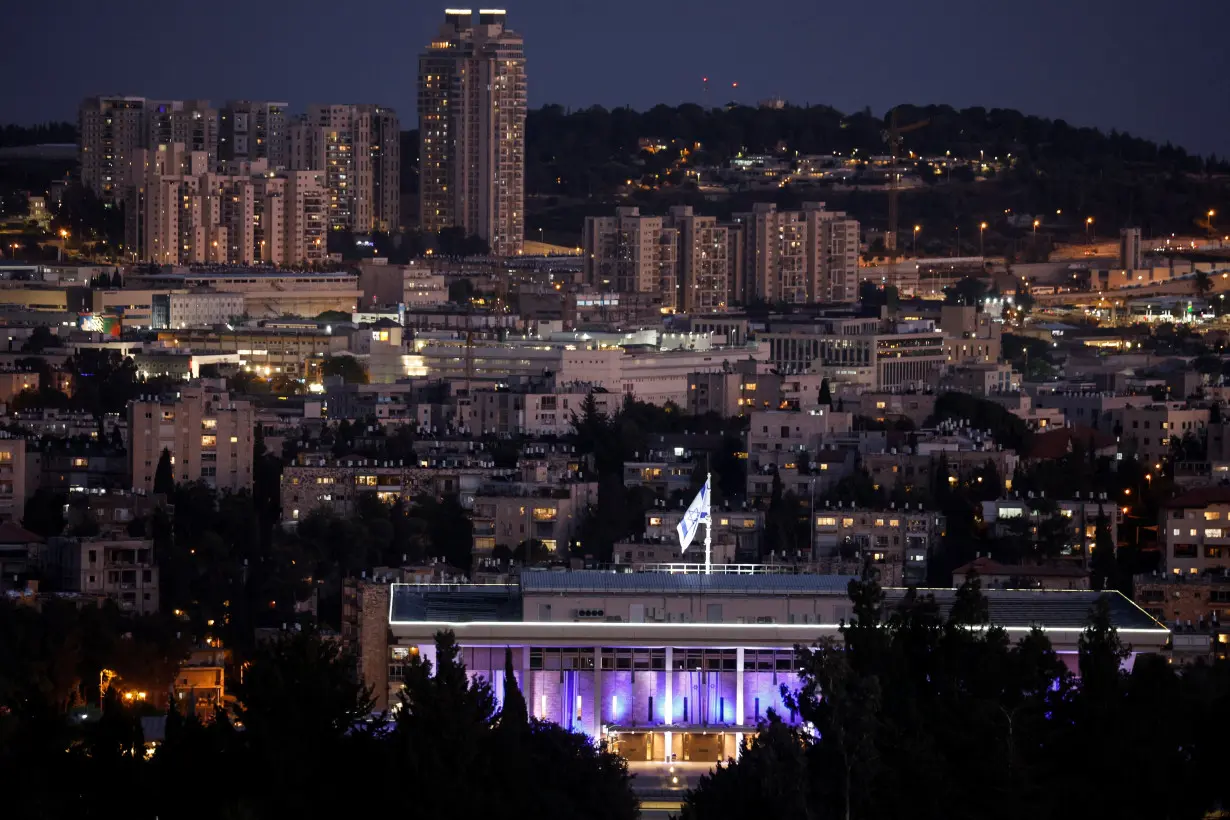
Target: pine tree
{"type": "Point", "coordinates": [164, 475]}
{"type": "Point", "coordinates": [826, 394]}
{"type": "Point", "coordinates": [514, 717]}
{"type": "Point", "coordinates": [1103, 562]}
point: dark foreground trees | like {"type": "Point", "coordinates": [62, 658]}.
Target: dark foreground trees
{"type": "Point", "coordinates": [303, 746]}
{"type": "Point", "coordinates": [936, 716]}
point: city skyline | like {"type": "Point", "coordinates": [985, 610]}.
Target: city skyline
{"type": "Point", "coordinates": [1049, 59]}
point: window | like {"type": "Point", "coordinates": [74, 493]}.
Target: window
{"type": "Point", "coordinates": [655, 521]}
{"type": "Point", "coordinates": [168, 415]}
{"type": "Point", "coordinates": [1209, 515]}
{"type": "Point", "coordinates": [847, 522]}
{"type": "Point", "coordinates": [365, 480]}
{"type": "Point", "coordinates": [1184, 550]}
{"type": "Point", "coordinates": [826, 522]}
{"type": "Point", "coordinates": [879, 522]}
{"type": "Point", "coordinates": [893, 522]}
{"type": "Point", "coordinates": [81, 462]}
{"type": "Point", "coordinates": [5, 456]}
{"type": "Point", "coordinates": [1212, 533]}
{"type": "Point", "coordinates": [545, 513]}
{"type": "Point", "coordinates": [209, 424]}
{"type": "Point", "coordinates": [234, 439]}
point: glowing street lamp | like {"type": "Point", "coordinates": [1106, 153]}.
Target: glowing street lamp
{"type": "Point", "coordinates": [1088, 228]}
{"type": "Point", "coordinates": [917, 228]}
{"type": "Point", "coordinates": [1037, 222]}
{"type": "Point", "coordinates": [982, 227]}
{"type": "Point", "coordinates": [1212, 213]}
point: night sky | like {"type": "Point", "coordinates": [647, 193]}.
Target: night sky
{"type": "Point", "coordinates": [1156, 69]}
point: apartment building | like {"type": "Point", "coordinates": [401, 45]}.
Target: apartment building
{"type": "Point", "coordinates": [385, 152]}
{"type": "Point", "coordinates": [249, 130]}
{"type": "Point", "coordinates": [898, 541]}
{"type": "Point", "coordinates": [704, 265]}
{"type": "Point", "coordinates": [1147, 431]}
{"type": "Point", "coordinates": [323, 482]}
{"type": "Point", "coordinates": [177, 212]}
{"type": "Point", "coordinates": [207, 432]}
{"type": "Point", "coordinates": [111, 129]}
{"type": "Point", "coordinates": [533, 411]}
{"type": "Point", "coordinates": [357, 151]}
{"type": "Point", "coordinates": [12, 478]}
{"type": "Point", "coordinates": [776, 434]}
{"type": "Point", "coordinates": [472, 107]}
{"type": "Point", "coordinates": [191, 123]}
{"type": "Point", "coordinates": [973, 337]}
{"type": "Point", "coordinates": [12, 382]}
{"type": "Point", "coordinates": [1193, 530]}
{"type": "Point", "coordinates": [412, 285]}
{"type": "Point", "coordinates": [123, 570]}
{"type": "Point", "coordinates": [631, 253]}
{"type": "Point", "coordinates": [736, 390]}
{"type": "Point", "coordinates": [1081, 514]}
{"type": "Point", "coordinates": [509, 513]}
{"type": "Point", "coordinates": [799, 256]}
{"type": "Point", "coordinates": [681, 259]}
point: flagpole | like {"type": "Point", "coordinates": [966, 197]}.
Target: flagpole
{"type": "Point", "coordinates": [708, 525]}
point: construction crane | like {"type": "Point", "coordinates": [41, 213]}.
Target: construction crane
{"type": "Point", "coordinates": [893, 137]}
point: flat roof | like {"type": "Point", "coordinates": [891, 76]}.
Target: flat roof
{"type": "Point", "coordinates": [591, 581]}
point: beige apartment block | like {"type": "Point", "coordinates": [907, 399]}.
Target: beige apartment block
{"type": "Point", "coordinates": [207, 432]}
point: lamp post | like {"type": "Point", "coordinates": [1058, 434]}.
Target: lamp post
{"type": "Point", "coordinates": [1088, 229]}
{"type": "Point", "coordinates": [1037, 222]}
{"type": "Point", "coordinates": [914, 249]}
{"type": "Point", "coordinates": [982, 229]}
{"type": "Point", "coordinates": [1212, 213]}
{"type": "Point", "coordinates": [958, 242]}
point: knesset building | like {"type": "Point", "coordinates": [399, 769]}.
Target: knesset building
{"type": "Point", "coordinates": [674, 666]}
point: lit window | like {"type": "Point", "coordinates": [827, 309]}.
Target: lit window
{"type": "Point", "coordinates": [234, 439]}
{"type": "Point", "coordinates": [893, 522]}
{"type": "Point", "coordinates": [1212, 533]}
{"type": "Point", "coordinates": [209, 441]}
{"type": "Point", "coordinates": [1211, 516]}
{"type": "Point", "coordinates": [655, 521]}
{"type": "Point", "coordinates": [826, 522]}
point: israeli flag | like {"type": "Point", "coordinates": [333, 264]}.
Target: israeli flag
{"type": "Point", "coordinates": [697, 513]}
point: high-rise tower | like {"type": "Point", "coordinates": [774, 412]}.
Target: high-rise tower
{"type": "Point", "coordinates": [472, 106]}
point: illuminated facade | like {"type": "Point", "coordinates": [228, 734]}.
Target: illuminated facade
{"type": "Point", "coordinates": [472, 107]}
{"type": "Point", "coordinates": [669, 665]}
{"type": "Point", "coordinates": [208, 434]}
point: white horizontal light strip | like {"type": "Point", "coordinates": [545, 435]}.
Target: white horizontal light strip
{"type": "Point", "coordinates": [577, 626]}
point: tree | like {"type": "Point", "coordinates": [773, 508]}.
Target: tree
{"type": "Point", "coordinates": [967, 291]}
{"type": "Point", "coordinates": [164, 475]}
{"type": "Point", "coordinates": [347, 368]}
{"type": "Point", "coordinates": [515, 716]}
{"type": "Point", "coordinates": [44, 512]}
{"type": "Point", "coordinates": [1103, 561]}
{"type": "Point", "coordinates": [40, 339]}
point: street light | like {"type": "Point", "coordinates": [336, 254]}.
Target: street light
{"type": "Point", "coordinates": [1088, 226]}
{"type": "Point", "coordinates": [982, 227]}
{"type": "Point", "coordinates": [914, 250]}
{"type": "Point", "coordinates": [1037, 222]}
{"type": "Point", "coordinates": [1212, 213]}
{"type": "Point", "coordinates": [958, 242]}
